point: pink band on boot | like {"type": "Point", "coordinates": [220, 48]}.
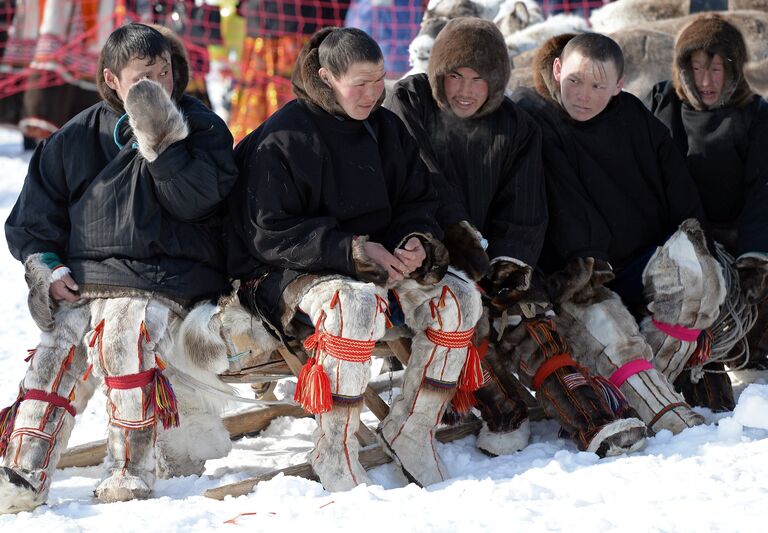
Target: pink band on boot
{"type": "Point", "coordinates": [630, 369]}
{"type": "Point", "coordinates": [677, 332]}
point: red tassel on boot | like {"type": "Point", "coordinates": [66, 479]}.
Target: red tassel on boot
{"type": "Point", "coordinates": [166, 407]}
{"type": "Point", "coordinates": [463, 401]}
{"type": "Point", "coordinates": [471, 377]}
{"type": "Point", "coordinates": [7, 418]}
{"type": "Point", "coordinates": [313, 391]}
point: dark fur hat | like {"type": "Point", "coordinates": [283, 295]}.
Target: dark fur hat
{"type": "Point", "coordinates": [306, 82]}
{"type": "Point", "coordinates": [543, 78]}
{"type": "Point", "coordinates": [472, 43]}
{"type": "Point", "coordinates": [711, 34]}
{"type": "Point", "coordinates": [179, 64]}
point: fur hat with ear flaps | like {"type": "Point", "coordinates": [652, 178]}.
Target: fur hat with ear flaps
{"type": "Point", "coordinates": [471, 43]}
{"type": "Point", "coordinates": [179, 64]}
{"type": "Point", "coordinates": [711, 34]}
{"type": "Point", "coordinates": [306, 81]}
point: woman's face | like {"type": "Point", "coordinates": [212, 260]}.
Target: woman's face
{"type": "Point", "coordinates": [358, 89]}
{"type": "Point", "coordinates": [708, 76]}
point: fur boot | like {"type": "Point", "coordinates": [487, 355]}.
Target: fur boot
{"type": "Point", "coordinates": [52, 392]}
{"type": "Point", "coordinates": [606, 339]}
{"type": "Point", "coordinates": [568, 393]}
{"type": "Point", "coordinates": [408, 433]}
{"type": "Point", "coordinates": [346, 310]}
{"type": "Point", "coordinates": [713, 391]}
{"type": "Point", "coordinates": [127, 336]}
{"type": "Point", "coordinates": [685, 287]}
{"type": "Point", "coordinates": [506, 428]}
{"type": "Point", "coordinates": [155, 119]}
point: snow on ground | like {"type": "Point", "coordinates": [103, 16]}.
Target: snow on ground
{"type": "Point", "coordinates": [710, 478]}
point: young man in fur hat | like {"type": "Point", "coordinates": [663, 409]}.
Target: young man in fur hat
{"type": "Point", "coordinates": [617, 189]}
{"type": "Point", "coordinates": [485, 156]}
{"type": "Point", "coordinates": [721, 127]}
{"type": "Point", "coordinates": [119, 230]}
{"type": "Point", "coordinates": [334, 207]}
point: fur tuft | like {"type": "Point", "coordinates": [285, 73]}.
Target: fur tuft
{"type": "Point", "coordinates": [504, 442]}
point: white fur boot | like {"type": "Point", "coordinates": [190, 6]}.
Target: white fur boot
{"type": "Point", "coordinates": [686, 288]}
{"type": "Point", "coordinates": [128, 334]}
{"type": "Point", "coordinates": [52, 392]}
{"type": "Point", "coordinates": [408, 433]}
{"type": "Point", "coordinates": [504, 442]}
{"type": "Point", "coordinates": [344, 311]}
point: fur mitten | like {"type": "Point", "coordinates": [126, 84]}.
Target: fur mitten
{"type": "Point", "coordinates": [38, 277]}
{"type": "Point", "coordinates": [366, 268]}
{"type": "Point", "coordinates": [580, 280]}
{"type": "Point", "coordinates": [510, 280]}
{"type": "Point", "coordinates": [155, 119]}
{"type": "Point", "coordinates": [466, 251]}
{"type": "Point", "coordinates": [753, 276]}
{"type": "Point", "coordinates": [435, 265]}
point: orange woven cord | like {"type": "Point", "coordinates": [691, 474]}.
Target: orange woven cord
{"type": "Point", "coordinates": [450, 339]}
{"type": "Point", "coordinates": [351, 350]}
{"type": "Point", "coordinates": [549, 366]}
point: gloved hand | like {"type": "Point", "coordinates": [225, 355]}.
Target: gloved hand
{"type": "Point", "coordinates": [466, 249]}
{"type": "Point", "coordinates": [155, 119]}
{"type": "Point", "coordinates": [580, 281]}
{"type": "Point", "coordinates": [509, 279]}
{"type": "Point", "coordinates": [435, 265]}
{"type": "Point", "coordinates": [753, 276]}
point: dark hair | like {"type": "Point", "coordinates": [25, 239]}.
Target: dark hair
{"type": "Point", "coordinates": [345, 46]}
{"type": "Point", "coordinates": [129, 42]}
{"type": "Point", "coordinates": [597, 47]}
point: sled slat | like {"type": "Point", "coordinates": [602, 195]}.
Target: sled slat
{"type": "Point", "coordinates": [370, 457]}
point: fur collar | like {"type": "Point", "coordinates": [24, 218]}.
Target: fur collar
{"type": "Point", "coordinates": [473, 43]}
{"type": "Point", "coordinates": [543, 79]}
{"type": "Point", "coordinates": [306, 81]}
{"type": "Point", "coordinates": [714, 35]}
{"type": "Point", "coordinates": [179, 63]}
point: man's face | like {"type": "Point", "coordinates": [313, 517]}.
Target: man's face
{"type": "Point", "coordinates": [465, 90]}
{"type": "Point", "coordinates": [708, 76]}
{"type": "Point", "coordinates": [586, 86]}
{"type": "Point", "coordinates": [358, 89]}
{"type": "Point", "coordinates": [157, 69]}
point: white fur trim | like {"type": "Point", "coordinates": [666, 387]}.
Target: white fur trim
{"type": "Point", "coordinates": [504, 442]}
{"type": "Point", "coordinates": [59, 272]}
{"type": "Point", "coordinates": [614, 428]}
{"type": "Point", "coordinates": [755, 255]}
{"type": "Point", "coordinates": [508, 259]}
{"type": "Point", "coordinates": [15, 499]}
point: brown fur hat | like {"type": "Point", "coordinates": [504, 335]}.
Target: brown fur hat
{"type": "Point", "coordinates": [711, 34]}
{"type": "Point", "coordinates": [543, 78]}
{"type": "Point", "coordinates": [306, 82]}
{"type": "Point", "coordinates": [179, 64]}
{"type": "Point", "coordinates": [472, 43]}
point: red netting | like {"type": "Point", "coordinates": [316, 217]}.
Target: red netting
{"type": "Point", "coordinates": [50, 44]}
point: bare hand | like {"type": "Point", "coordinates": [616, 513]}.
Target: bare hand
{"type": "Point", "coordinates": [65, 289]}
{"type": "Point", "coordinates": [378, 254]}
{"type": "Point", "coordinates": [412, 254]}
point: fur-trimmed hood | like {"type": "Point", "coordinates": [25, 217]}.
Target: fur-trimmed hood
{"type": "Point", "coordinates": [712, 34]}
{"type": "Point", "coordinates": [306, 81]}
{"type": "Point", "coordinates": [179, 64]}
{"type": "Point", "coordinates": [543, 78]}
{"type": "Point", "coordinates": [472, 43]}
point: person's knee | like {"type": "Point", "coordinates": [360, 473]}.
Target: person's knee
{"type": "Point", "coordinates": [347, 308]}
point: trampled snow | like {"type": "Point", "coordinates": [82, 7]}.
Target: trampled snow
{"type": "Point", "coordinates": [709, 478]}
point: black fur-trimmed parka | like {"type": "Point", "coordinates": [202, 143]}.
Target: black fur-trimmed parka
{"type": "Point", "coordinates": [487, 168]}
{"type": "Point", "coordinates": [120, 222]}
{"type": "Point", "coordinates": [314, 181]}
{"type": "Point", "coordinates": [725, 145]}
{"type": "Point", "coordinates": [616, 184]}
